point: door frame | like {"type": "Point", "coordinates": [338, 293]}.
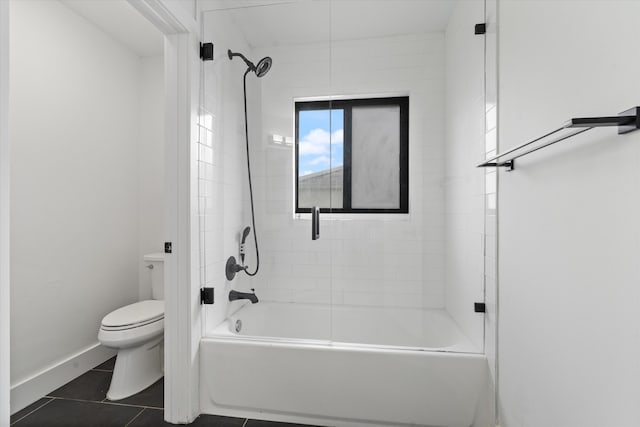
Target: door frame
{"type": "Point", "coordinates": [181, 31]}
{"type": "Point", "coordinates": [179, 23]}
{"type": "Point", "coordinates": [5, 331]}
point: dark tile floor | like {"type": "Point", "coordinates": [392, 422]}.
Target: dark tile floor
{"type": "Point", "coordinates": [82, 402]}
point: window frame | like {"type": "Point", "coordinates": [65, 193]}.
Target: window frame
{"type": "Point", "coordinates": [347, 105]}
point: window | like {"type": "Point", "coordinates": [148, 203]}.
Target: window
{"type": "Point", "coordinates": [352, 156]}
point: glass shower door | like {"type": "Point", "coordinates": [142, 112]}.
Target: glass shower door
{"type": "Point", "coordinates": [287, 153]}
{"type": "Point", "coordinates": [350, 118]}
{"type": "Point", "coordinates": [406, 240]}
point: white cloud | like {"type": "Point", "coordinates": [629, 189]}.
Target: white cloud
{"type": "Point", "coordinates": [319, 160]}
{"type": "Point", "coordinates": [305, 148]}
{"type": "Point", "coordinates": [337, 136]}
{"type": "Point", "coordinates": [317, 141]}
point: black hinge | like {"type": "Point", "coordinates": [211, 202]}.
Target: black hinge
{"type": "Point", "coordinates": [167, 247]}
{"type": "Point", "coordinates": [479, 307]}
{"type": "Point", "coordinates": [206, 51]}
{"type": "Point", "coordinates": [481, 28]}
{"type": "Point", "coordinates": [206, 295]}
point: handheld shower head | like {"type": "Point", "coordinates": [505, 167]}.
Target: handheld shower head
{"type": "Point", "coordinates": [245, 233]}
{"type": "Point", "coordinates": [261, 69]}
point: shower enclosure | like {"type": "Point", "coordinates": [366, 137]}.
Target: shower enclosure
{"type": "Point", "coordinates": [367, 126]}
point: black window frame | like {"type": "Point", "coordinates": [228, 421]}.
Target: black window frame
{"type": "Point", "coordinates": [346, 105]}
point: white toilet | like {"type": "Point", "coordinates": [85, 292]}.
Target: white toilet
{"type": "Point", "coordinates": [137, 332]}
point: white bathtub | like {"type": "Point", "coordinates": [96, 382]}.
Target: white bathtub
{"type": "Point", "coordinates": [346, 366]}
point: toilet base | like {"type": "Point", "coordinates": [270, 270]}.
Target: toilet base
{"type": "Point", "coordinates": [136, 369]}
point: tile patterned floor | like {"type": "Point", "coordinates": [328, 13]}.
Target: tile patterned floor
{"type": "Point", "coordinates": [83, 403]}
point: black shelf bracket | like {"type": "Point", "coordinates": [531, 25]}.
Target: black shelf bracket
{"type": "Point", "coordinates": [626, 122]}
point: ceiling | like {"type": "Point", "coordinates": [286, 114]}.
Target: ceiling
{"type": "Point", "coordinates": [281, 22]}
{"type": "Point", "coordinates": [122, 22]}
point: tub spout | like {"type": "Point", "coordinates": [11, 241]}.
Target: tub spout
{"type": "Point", "coordinates": [235, 295]}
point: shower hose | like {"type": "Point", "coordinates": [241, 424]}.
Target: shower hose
{"type": "Point", "coordinates": [246, 138]}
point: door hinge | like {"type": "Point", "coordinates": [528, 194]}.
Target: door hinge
{"type": "Point", "coordinates": [479, 307]}
{"type": "Point", "coordinates": [481, 28]}
{"type": "Point", "coordinates": [167, 247]}
{"type": "Point", "coordinates": [206, 51]}
{"type": "Point", "coordinates": [206, 295]}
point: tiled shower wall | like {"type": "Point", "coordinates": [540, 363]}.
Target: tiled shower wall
{"type": "Point", "coordinates": [222, 194]}
{"type": "Point", "coordinates": [392, 260]}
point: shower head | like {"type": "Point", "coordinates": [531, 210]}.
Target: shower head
{"type": "Point", "coordinates": [263, 66]}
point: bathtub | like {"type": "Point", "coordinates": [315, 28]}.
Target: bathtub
{"type": "Point", "coordinates": [341, 366]}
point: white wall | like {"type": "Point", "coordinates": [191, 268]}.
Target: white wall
{"type": "Point", "coordinates": [4, 215]}
{"type": "Point", "coordinates": [75, 112]}
{"type": "Point", "coordinates": [396, 261]}
{"type": "Point", "coordinates": [464, 183]}
{"type": "Point", "coordinates": [569, 231]}
{"type": "Point", "coordinates": [151, 165]}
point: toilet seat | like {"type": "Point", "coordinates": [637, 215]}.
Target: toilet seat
{"type": "Point", "coordinates": [132, 324]}
{"type": "Point", "coordinates": [134, 316]}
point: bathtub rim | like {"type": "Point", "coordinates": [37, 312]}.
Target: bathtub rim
{"type": "Point", "coordinates": [230, 337]}
{"type": "Point", "coordinates": [223, 331]}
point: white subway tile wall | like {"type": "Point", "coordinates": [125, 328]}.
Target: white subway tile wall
{"type": "Point", "coordinates": [395, 261]}
{"type": "Point", "coordinates": [222, 192]}
{"type": "Point", "coordinates": [369, 260]}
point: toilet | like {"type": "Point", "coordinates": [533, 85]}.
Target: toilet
{"type": "Point", "coordinates": [137, 332]}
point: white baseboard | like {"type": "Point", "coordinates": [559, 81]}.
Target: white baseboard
{"type": "Point", "coordinates": [30, 389]}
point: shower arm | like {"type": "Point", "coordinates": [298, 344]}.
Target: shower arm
{"type": "Point", "coordinates": [250, 64]}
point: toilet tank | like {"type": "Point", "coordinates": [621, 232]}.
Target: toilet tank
{"type": "Point", "coordinates": [155, 263]}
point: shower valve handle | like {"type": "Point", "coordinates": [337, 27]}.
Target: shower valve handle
{"type": "Point", "coordinates": [315, 223]}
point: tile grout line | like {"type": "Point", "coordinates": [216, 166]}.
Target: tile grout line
{"type": "Point", "coordinates": [133, 419]}
{"type": "Point", "coordinates": [39, 407]}
{"type": "Point", "coordinates": [106, 402]}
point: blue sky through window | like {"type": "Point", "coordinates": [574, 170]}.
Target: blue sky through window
{"type": "Point", "coordinates": [320, 144]}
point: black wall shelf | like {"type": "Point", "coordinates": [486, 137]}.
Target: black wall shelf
{"type": "Point", "coordinates": [627, 121]}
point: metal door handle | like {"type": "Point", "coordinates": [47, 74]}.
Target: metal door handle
{"type": "Point", "coordinates": [315, 223]}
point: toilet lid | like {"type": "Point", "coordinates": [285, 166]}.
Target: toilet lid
{"type": "Point", "coordinates": [133, 314]}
